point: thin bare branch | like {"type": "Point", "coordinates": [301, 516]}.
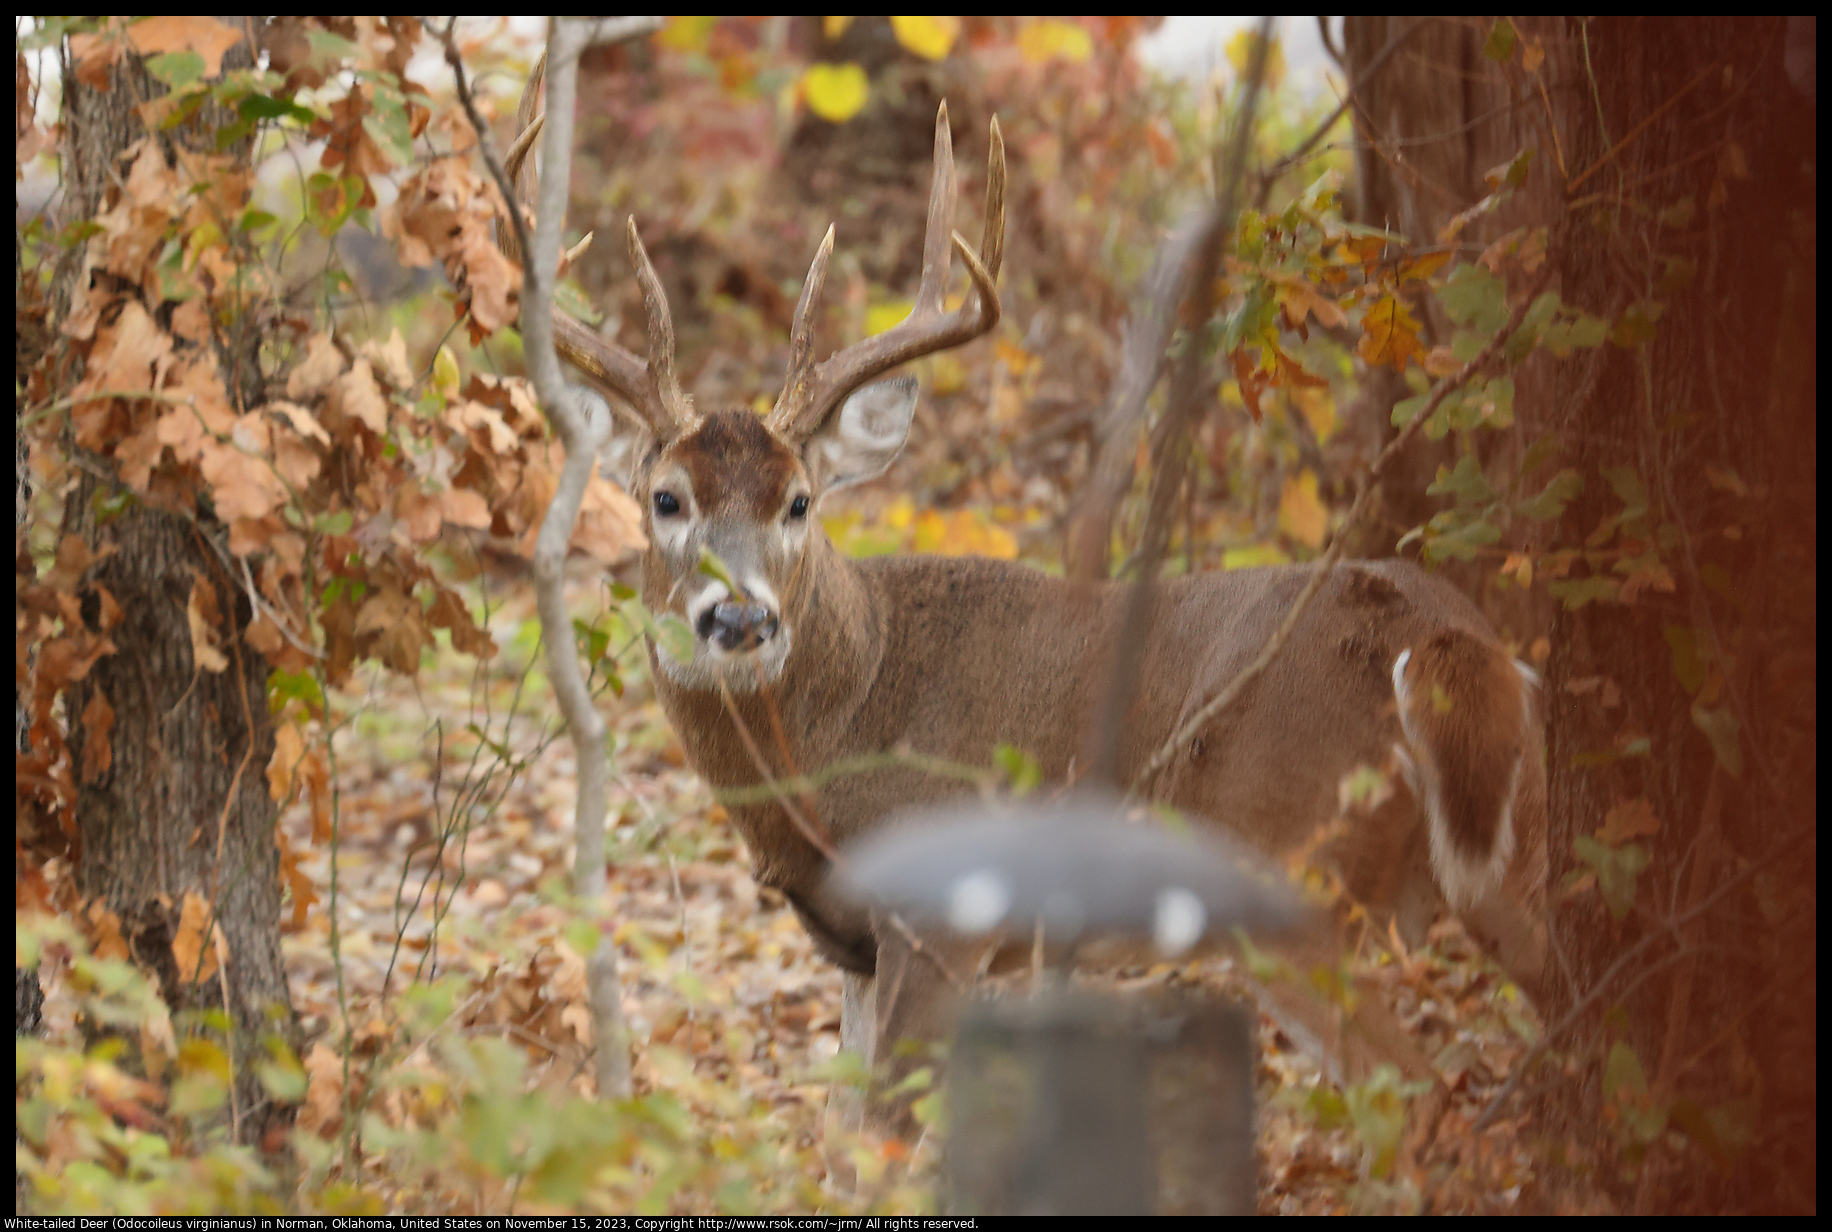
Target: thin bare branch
{"type": "Point", "coordinates": [1178, 415]}
{"type": "Point", "coordinates": [579, 434]}
{"type": "Point", "coordinates": [1635, 960]}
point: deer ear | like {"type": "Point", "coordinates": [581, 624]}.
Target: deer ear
{"type": "Point", "coordinates": [864, 436]}
{"type": "Point", "coordinates": [621, 439]}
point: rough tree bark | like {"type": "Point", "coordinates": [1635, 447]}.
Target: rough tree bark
{"type": "Point", "coordinates": [1686, 157]}
{"type": "Point", "coordinates": [185, 805]}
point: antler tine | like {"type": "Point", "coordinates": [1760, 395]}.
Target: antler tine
{"type": "Point", "coordinates": [941, 220]}
{"type": "Point", "coordinates": [806, 402]}
{"type": "Point", "coordinates": [992, 241]}
{"type": "Point", "coordinates": [661, 334]}
{"type": "Point", "coordinates": [801, 336]}
{"type": "Point", "coordinates": [650, 389]}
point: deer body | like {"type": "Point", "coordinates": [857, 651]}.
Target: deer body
{"type": "Point", "coordinates": [949, 657]}
{"type": "Point", "coordinates": [804, 660]}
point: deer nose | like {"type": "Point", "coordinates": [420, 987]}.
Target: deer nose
{"type": "Point", "coordinates": [737, 626]}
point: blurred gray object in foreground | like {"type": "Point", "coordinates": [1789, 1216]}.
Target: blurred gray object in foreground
{"type": "Point", "coordinates": [1074, 865]}
{"type": "Point", "coordinates": [1073, 1103]}
{"type": "Point", "coordinates": [1070, 1103]}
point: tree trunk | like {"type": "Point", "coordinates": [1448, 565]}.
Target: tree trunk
{"type": "Point", "coordinates": [184, 808]}
{"type": "Point", "coordinates": [1680, 175]}
{"type": "Point", "coordinates": [1716, 415]}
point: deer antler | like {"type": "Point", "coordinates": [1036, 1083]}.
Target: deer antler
{"type": "Point", "coordinates": [650, 388]}
{"type": "Point", "coordinates": [811, 391]}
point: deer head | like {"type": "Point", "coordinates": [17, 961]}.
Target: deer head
{"type": "Point", "coordinates": [746, 488]}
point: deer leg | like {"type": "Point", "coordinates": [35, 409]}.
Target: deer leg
{"type": "Point", "coordinates": [845, 1115]}
{"type": "Point", "coordinates": [915, 1003]}
{"type": "Point", "coordinates": [858, 1027]}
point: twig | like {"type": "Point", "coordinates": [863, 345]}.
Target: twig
{"type": "Point", "coordinates": [1380, 58]}
{"type": "Point", "coordinates": [817, 835]}
{"type": "Point", "coordinates": [1129, 652]}
{"type": "Point", "coordinates": [1642, 127]}
{"type": "Point", "coordinates": [810, 829]}
{"type": "Point", "coordinates": [576, 432]}
{"type": "Point", "coordinates": [1338, 541]}
{"type": "Point", "coordinates": [1628, 958]}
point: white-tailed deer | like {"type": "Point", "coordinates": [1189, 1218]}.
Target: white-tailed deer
{"type": "Point", "coordinates": [808, 659]}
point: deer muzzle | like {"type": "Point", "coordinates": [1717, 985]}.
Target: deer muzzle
{"type": "Point", "coordinates": [736, 626]}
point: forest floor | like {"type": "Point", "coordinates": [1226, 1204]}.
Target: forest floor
{"type": "Point", "coordinates": [721, 972]}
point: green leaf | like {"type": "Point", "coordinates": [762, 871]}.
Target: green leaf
{"type": "Point", "coordinates": [326, 45]}
{"type": "Point", "coordinates": [283, 687]}
{"type": "Point", "coordinates": [714, 568]}
{"type": "Point", "coordinates": [1021, 769]}
{"type": "Point", "coordinates": [1538, 316]}
{"type": "Point", "coordinates": [1377, 1109]}
{"type": "Point", "coordinates": [1562, 337]}
{"type": "Point", "coordinates": [917, 1080]}
{"type": "Point", "coordinates": [1635, 326]}
{"type": "Point", "coordinates": [263, 107]}
{"type": "Point", "coordinates": [1406, 410]}
{"type": "Point", "coordinates": [568, 296]}
{"type": "Point", "coordinates": [1475, 298]}
{"type": "Point", "coordinates": [1550, 501]}
{"type": "Point", "coordinates": [582, 936]}
{"type": "Point", "coordinates": [1463, 543]}
{"type": "Point", "coordinates": [1626, 1086]}
{"type": "Point", "coordinates": [1500, 43]}
{"type": "Point", "coordinates": [1465, 481]}
{"type": "Point", "coordinates": [1577, 592]}
{"type": "Point", "coordinates": [1676, 275]}
{"type": "Point", "coordinates": [1616, 868]}
{"type": "Point", "coordinates": [177, 69]}
{"type": "Point", "coordinates": [669, 632]}
{"type": "Point", "coordinates": [1723, 1131]}
{"type": "Point", "coordinates": [1722, 729]}
{"type": "Point", "coordinates": [388, 123]}
{"type": "Point", "coordinates": [1627, 482]}
{"type": "Point", "coordinates": [1688, 662]}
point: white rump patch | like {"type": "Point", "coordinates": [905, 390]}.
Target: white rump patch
{"type": "Point", "coordinates": [1463, 879]}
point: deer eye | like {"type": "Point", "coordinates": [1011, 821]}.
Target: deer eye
{"type": "Point", "coordinates": [798, 508]}
{"type": "Point", "coordinates": [667, 504]}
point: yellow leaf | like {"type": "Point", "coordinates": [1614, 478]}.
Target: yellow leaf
{"type": "Point", "coordinates": [1017, 360]}
{"type": "Point", "coordinates": [835, 92]}
{"type": "Point", "coordinates": [901, 512]}
{"type": "Point", "coordinates": [928, 37]}
{"type": "Point", "coordinates": [687, 33]}
{"type": "Point", "coordinates": [1319, 409]}
{"type": "Point", "coordinates": [950, 375]}
{"type": "Point", "coordinates": [445, 372]}
{"type": "Point", "coordinates": [1049, 40]}
{"type": "Point", "coordinates": [1240, 55]}
{"type": "Point", "coordinates": [289, 749]}
{"type": "Point", "coordinates": [1301, 512]}
{"type": "Point", "coordinates": [1253, 556]}
{"type": "Point", "coordinates": [1390, 334]}
{"type": "Point", "coordinates": [833, 27]}
{"type": "Point", "coordinates": [883, 316]}
{"type": "Point", "coordinates": [201, 614]}
{"type": "Point", "coordinates": [190, 950]}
